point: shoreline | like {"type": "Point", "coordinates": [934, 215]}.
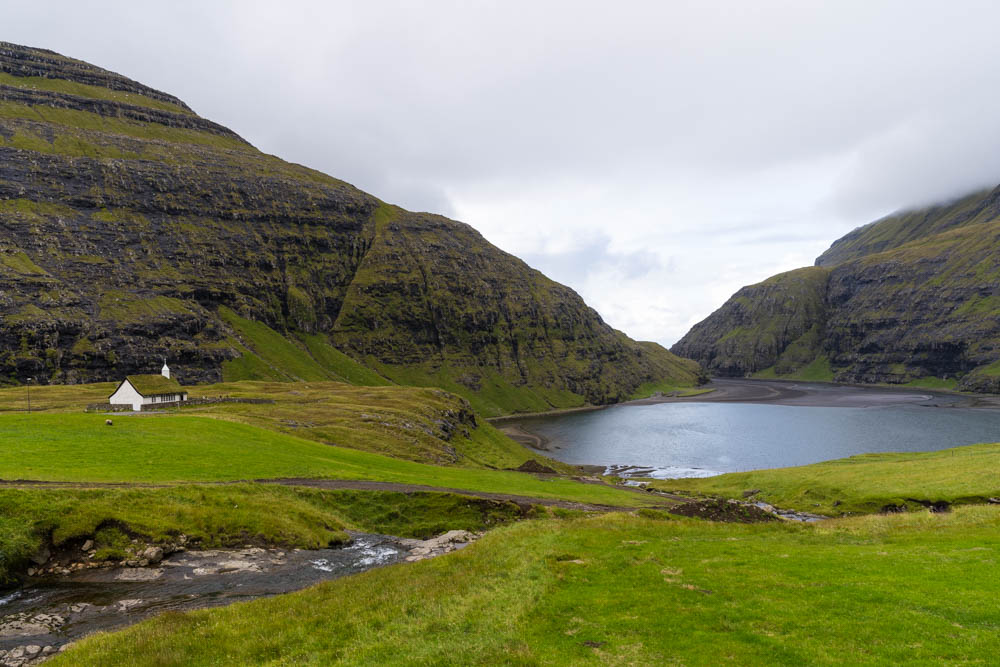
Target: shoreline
{"type": "Point", "coordinates": [547, 413]}
{"type": "Point", "coordinates": [799, 393]}
{"type": "Point", "coordinates": [792, 393]}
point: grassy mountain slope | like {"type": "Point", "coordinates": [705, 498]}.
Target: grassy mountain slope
{"type": "Point", "coordinates": [131, 229]}
{"type": "Point", "coordinates": [915, 298]}
{"type": "Point", "coordinates": [900, 228]}
{"type": "Point", "coordinates": [772, 323]}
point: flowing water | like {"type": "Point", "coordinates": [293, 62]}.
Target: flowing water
{"type": "Point", "coordinates": [693, 439]}
{"type": "Point", "coordinates": [51, 613]}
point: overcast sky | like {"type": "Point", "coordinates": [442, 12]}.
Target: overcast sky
{"type": "Point", "coordinates": [655, 156]}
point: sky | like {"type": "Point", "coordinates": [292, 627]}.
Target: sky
{"type": "Point", "coordinates": [654, 156]}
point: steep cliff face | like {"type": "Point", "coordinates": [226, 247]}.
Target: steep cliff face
{"type": "Point", "coordinates": [914, 297]}
{"type": "Point", "coordinates": [131, 229]}
{"type": "Point", "coordinates": [930, 308]}
{"type": "Point", "coordinates": [774, 323]}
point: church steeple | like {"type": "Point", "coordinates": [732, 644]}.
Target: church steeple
{"type": "Point", "coordinates": [165, 371]}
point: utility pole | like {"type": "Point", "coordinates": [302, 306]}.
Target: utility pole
{"type": "Point", "coordinates": [28, 389]}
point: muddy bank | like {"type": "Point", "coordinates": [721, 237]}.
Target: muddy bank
{"type": "Point", "coordinates": [47, 613]}
{"type": "Point", "coordinates": [522, 437]}
{"type": "Point", "coordinates": [823, 395]}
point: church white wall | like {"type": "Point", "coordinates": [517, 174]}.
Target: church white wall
{"type": "Point", "coordinates": [127, 395]}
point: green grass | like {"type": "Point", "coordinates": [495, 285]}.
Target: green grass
{"type": "Point", "coordinates": [20, 263]}
{"type": "Point", "coordinates": [226, 516]}
{"type": "Point", "coordinates": [902, 228]}
{"type": "Point", "coordinates": [992, 370]}
{"type": "Point", "coordinates": [818, 370]}
{"type": "Point", "coordinates": [338, 363]}
{"type": "Point", "coordinates": [34, 211]}
{"type": "Point", "coordinates": [418, 424]}
{"type": "Point", "coordinates": [495, 395]}
{"type": "Point", "coordinates": [248, 366]}
{"type": "Point", "coordinates": [54, 398]}
{"type": "Point", "coordinates": [931, 382]}
{"type": "Point", "coordinates": [84, 120]}
{"type": "Point", "coordinates": [84, 90]}
{"type": "Point", "coordinates": [126, 308]}
{"type": "Point", "coordinates": [616, 589]}
{"type": "Point", "coordinates": [81, 448]}
{"type": "Point", "coordinates": [865, 483]}
{"type": "Point", "coordinates": [276, 352]}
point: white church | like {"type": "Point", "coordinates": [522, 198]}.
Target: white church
{"type": "Point", "coordinates": [140, 390]}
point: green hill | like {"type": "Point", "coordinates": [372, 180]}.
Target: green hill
{"type": "Point", "coordinates": [900, 228]}
{"type": "Point", "coordinates": [912, 298]}
{"type": "Point", "coordinates": [131, 229]}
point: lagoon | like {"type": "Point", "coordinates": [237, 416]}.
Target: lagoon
{"type": "Point", "coordinates": [723, 434]}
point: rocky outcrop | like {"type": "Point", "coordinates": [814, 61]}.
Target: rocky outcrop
{"type": "Point", "coordinates": [25, 62]}
{"type": "Point", "coordinates": [438, 546]}
{"type": "Point", "coordinates": [128, 224]}
{"type": "Point", "coordinates": [760, 323]}
{"type": "Point", "coordinates": [926, 306]}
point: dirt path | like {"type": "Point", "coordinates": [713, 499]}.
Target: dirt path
{"type": "Point", "coordinates": [654, 500]}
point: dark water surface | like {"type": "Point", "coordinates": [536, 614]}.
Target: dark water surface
{"type": "Point", "coordinates": [686, 439]}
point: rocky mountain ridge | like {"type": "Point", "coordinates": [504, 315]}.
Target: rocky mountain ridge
{"type": "Point", "coordinates": [911, 298]}
{"type": "Point", "coordinates": [131, 229]}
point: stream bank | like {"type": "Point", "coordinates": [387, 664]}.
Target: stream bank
{"type": "Point", "coordinates": [49, 612]}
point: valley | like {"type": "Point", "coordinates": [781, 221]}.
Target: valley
{"type": "Point", "coordinates": [403, 445]}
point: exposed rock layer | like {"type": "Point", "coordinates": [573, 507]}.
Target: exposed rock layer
{"type": "Point", "coordinates": [127, 222]}
{"type": "Point", "coordinates": [912, 296]}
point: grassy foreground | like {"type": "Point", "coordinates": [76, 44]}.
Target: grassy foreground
{"type": "Point", "coordinates": [618, 589]}
{"type": "Point", "coordinates": [865, 483]}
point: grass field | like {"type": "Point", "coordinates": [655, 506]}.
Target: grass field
{"type": "Point", "coordinates": [405, 422]}
{"type": "Point", "coordinates": [80, 448]}
{"type": "Point", "coordinates": [865, 483]}
{"type": "Point", "coordinates": [617, 589]}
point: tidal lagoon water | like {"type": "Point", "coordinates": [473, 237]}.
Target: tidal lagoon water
{"type": "Point", "coordinates": [723, 434]}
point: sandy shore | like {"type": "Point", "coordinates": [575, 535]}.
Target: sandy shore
{"type": "Point", "coordinates": [818, 394]}
{"type": "Point", "coordinates": [522, 437]}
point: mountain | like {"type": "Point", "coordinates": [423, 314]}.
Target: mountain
{"type": "Point", "coordinates": [910, 298]}
{"type": "Point", "coordinates": [133, 230]}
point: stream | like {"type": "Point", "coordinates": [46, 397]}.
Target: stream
{"type": "Point", "coordinates": [40, 618]}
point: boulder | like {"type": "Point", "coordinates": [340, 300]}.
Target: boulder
{"type": "Point", "coordinates": [41, 556]}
